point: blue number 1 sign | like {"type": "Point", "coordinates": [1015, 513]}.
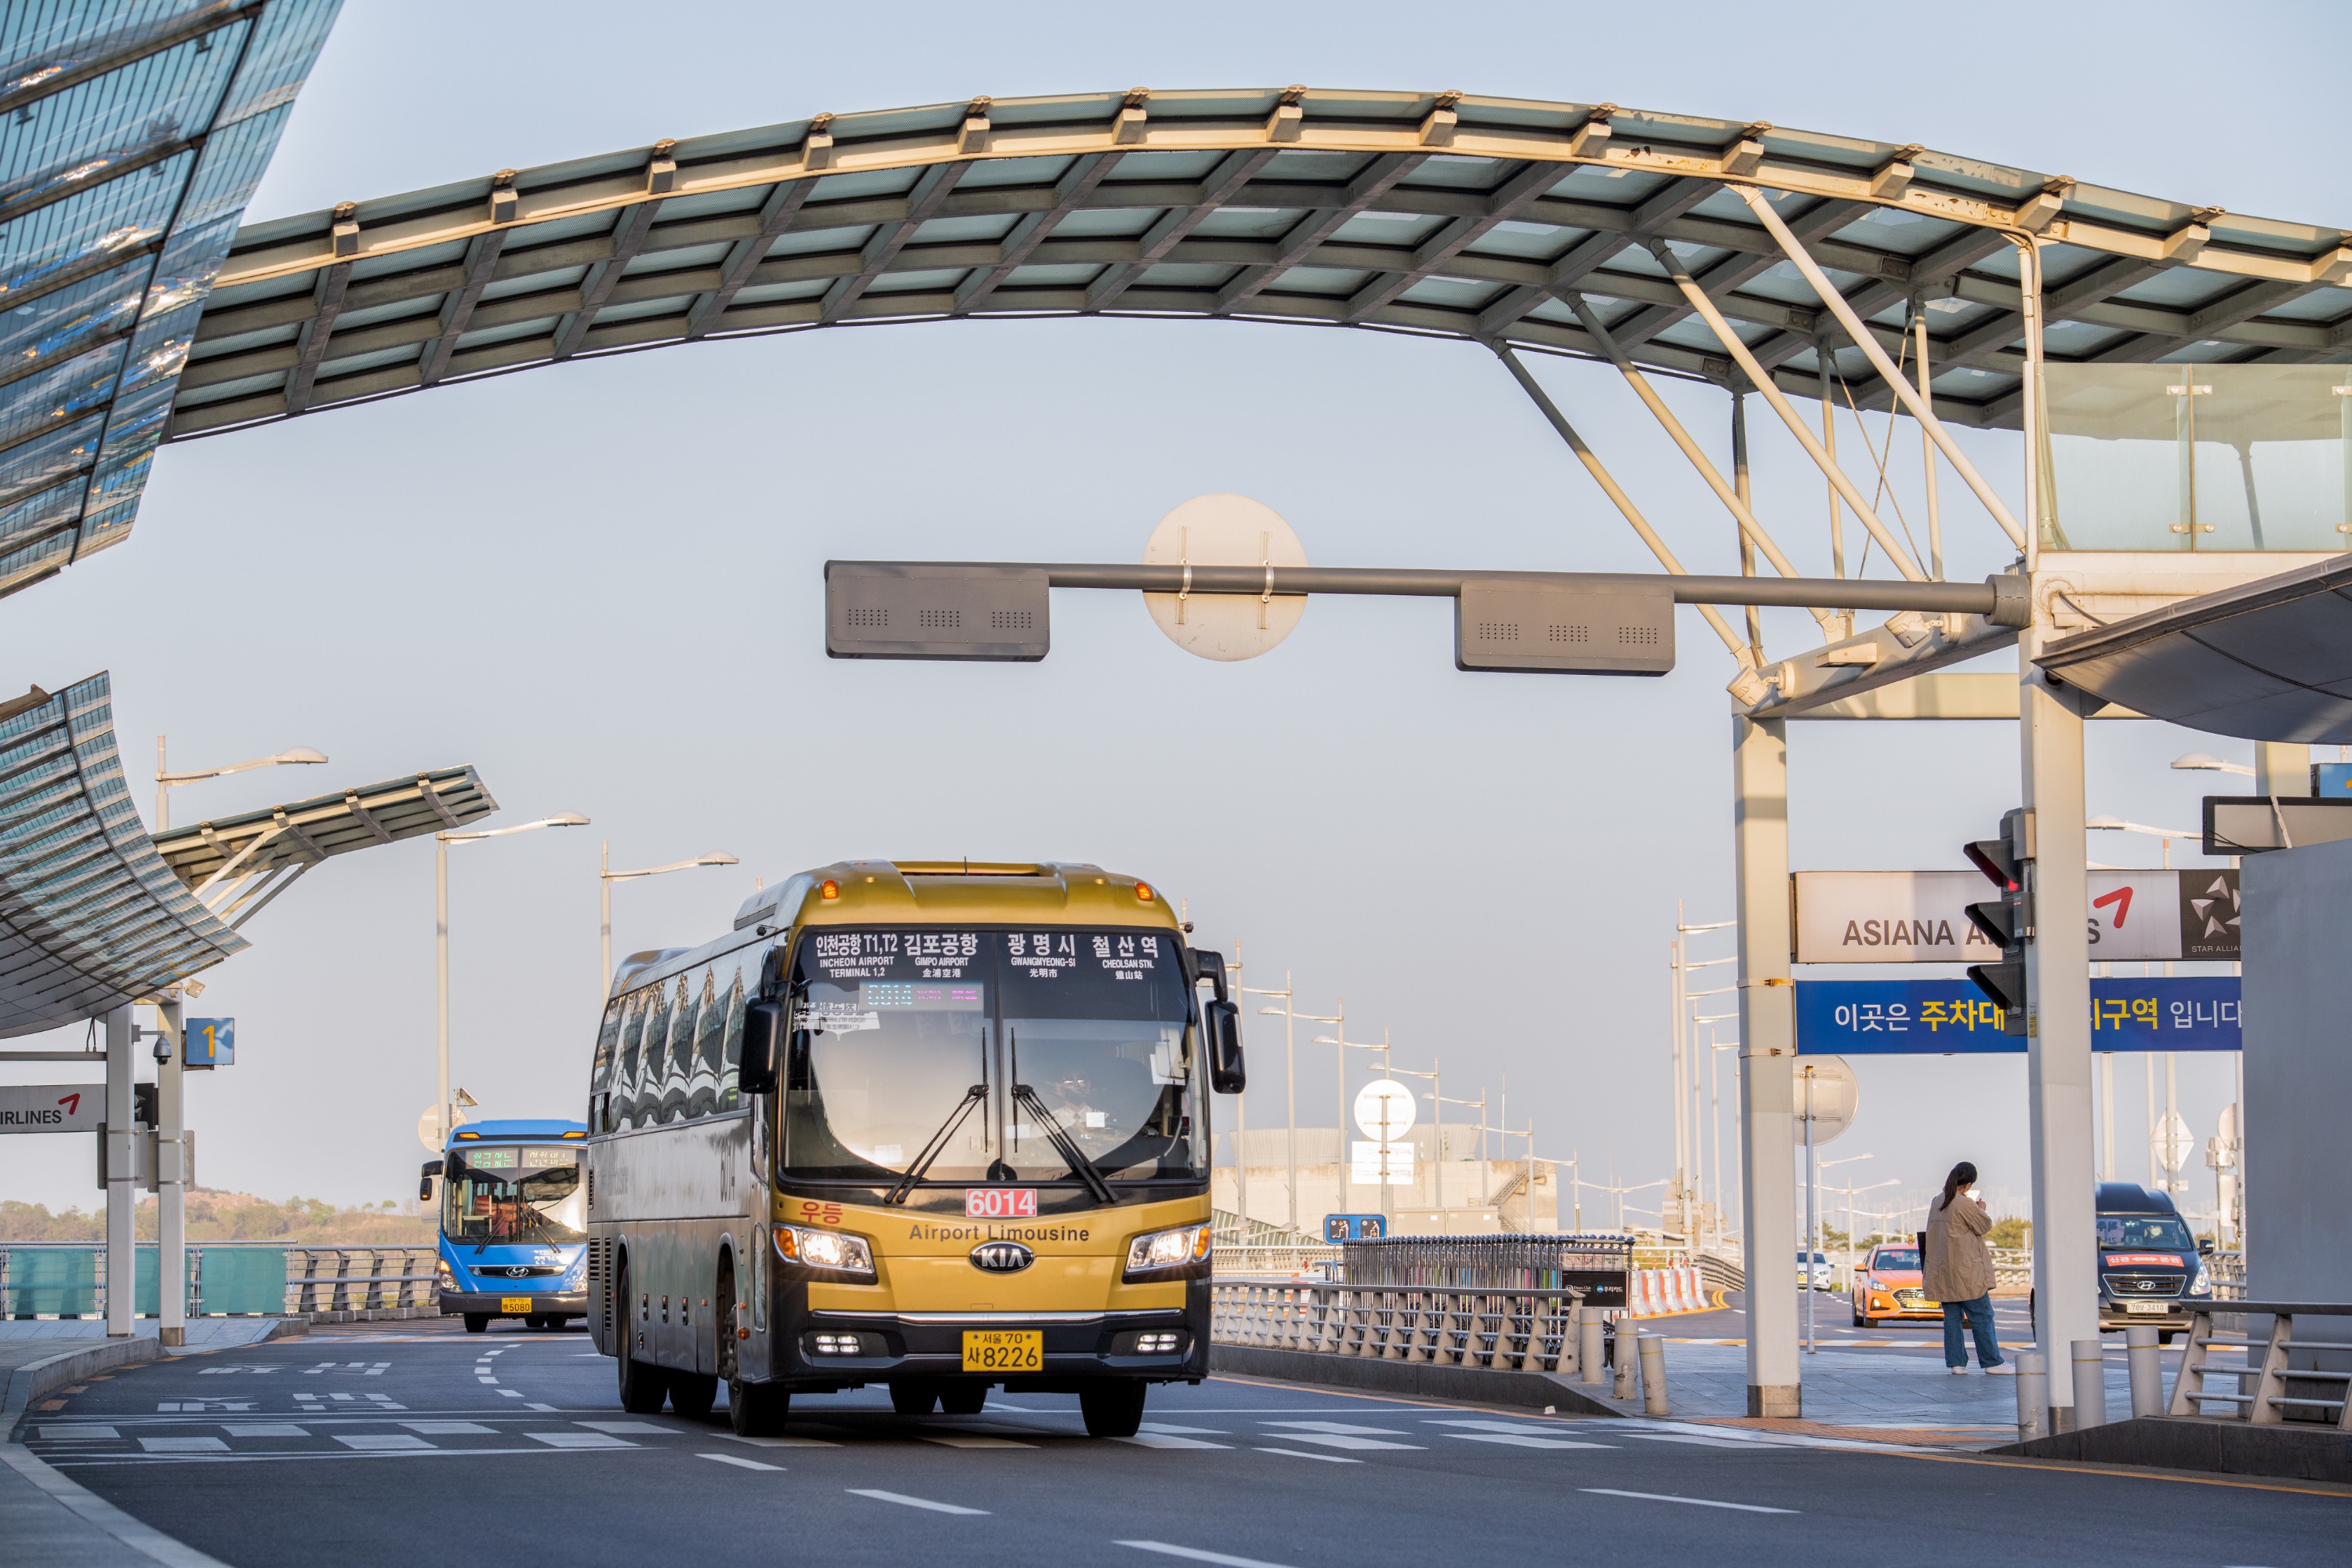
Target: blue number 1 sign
{"type": "Point", "coordinates": [210, 1043]}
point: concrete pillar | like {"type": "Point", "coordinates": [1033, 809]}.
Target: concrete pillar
{"type": "Point", "coordinates": [2282, 768]}
{"type": "Point", "coordinates": [171, 1182]}
{"type": "Point", "coordinates": [121, 1171]}
{"type": "Point", "coordinates": [1768, 1048]}
{"type": "Point", "coordinates": [2058, 1044]}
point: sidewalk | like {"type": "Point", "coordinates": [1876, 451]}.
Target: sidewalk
{"type": "Point", "coordinates": [1887, 1390]}
{"type": "Point", "coordinates": [204, 1333]}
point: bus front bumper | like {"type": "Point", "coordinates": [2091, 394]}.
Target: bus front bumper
{"type": "Point", "coordinates": [1076, 1346]}
{"type": "Point", "coordinates": [500, 1303]}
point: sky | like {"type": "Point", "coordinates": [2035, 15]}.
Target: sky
{"type": "Point", "coordinates": [601, 583]}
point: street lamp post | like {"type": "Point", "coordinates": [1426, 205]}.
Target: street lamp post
{"type": "Point", "coordinates": [167, 781]}
{"type": "Point", "coordinates": [2196, 760]}
{"type": "Point", "coordinates": [441, 842]}
{"type": "Point", "coordinates": [1289, 1084]}
{"type": "Point", "coordinates": [1438, 1120]}
{"type": "Point", "coordinates": [607, 877]}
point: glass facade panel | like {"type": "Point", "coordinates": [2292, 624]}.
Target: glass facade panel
{"type": "Point", "coordinates": [2200, 457]}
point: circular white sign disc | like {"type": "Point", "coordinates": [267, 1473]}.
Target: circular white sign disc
{"type": "Point", "coordinates": [1385, 1096]}
{"type": "Point", "coordinates": [1835, 1096]}
{"type": "Point", "coordinates": [1224, 531]}
{"type": "Point", "coordinates": [428, 1130]}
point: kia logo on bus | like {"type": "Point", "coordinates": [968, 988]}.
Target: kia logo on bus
{"type": "Point", "coordinates": [1001, 1257]}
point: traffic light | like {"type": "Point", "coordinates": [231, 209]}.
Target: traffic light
{"type": "Point", "coordinates": [2008, 922]}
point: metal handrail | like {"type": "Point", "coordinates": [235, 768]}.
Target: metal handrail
{"type": "Point", "coordinates": [331, 1279]}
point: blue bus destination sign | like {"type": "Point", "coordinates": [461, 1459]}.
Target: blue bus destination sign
{"type": "Point", "coordinates": [1942, 1018]}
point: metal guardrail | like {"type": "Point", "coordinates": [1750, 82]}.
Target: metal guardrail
{"type": "Point", "coordinates": [1507, 1328]}
{"type": "Point", "coordinates": [69, 1279]}
{"type": "Point", "coordinates": [2288, 1383]}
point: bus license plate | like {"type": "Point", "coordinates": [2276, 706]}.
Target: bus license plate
{"type": "Point", "coordinates": [2154, 1309]}
{"type": "Point", "coordinates": [1000, 1203]}
{"type": "Point", "coordinates": [514, 1304]}
{"type": "Point", "coordinates": [1004, 1350]}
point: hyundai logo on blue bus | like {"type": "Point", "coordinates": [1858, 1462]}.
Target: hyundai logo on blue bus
{"type": "Point", "coordinates": [1001, 1257]}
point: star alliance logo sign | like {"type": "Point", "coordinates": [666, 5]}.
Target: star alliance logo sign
{"type": "Point", "coordinates": [2208, 914]}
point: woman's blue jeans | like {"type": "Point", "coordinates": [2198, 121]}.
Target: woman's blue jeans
{"type": "Point", "coordinates": [1979, 1316]}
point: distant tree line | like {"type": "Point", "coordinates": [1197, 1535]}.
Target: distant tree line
{"type": "Point", "coordinates": [232, 1216]}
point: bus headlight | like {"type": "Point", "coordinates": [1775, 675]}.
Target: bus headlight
{"type": "Point", "coordinates": [446, 1280]}
{"type": "Point", "coordinates": [1159, 1251]}
{"type": "Point", "coordinates": [833, 1251]}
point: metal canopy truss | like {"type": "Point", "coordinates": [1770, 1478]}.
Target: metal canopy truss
{"type": "Point", "coordinates": [237, 865]}
{"type": "Point", "coordinates": [137, 129]}
{"type": "Point", "coordinates": [1440, 215]}
{"type": "Point", "coordinates": [90, 918]}
{"type": "Point", "coordinates": [2266, 660]}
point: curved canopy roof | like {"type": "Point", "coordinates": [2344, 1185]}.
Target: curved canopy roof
{"type": "Point", "coordinates": [131, 133]}
{"type": "Point", "coordinates": [90, 918]}
{"type": "Point", "coordinates": [1437, 214]}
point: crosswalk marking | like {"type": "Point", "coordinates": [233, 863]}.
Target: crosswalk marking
{"type": "Point", "coordinates": [77, 1434]}
{"type": "Point", "coordinates": [1694, 1501]}
{"type": "Point", "coordinates": [580, 1441]}
{"type": "Point", "coordinates": [1343, 1428]}
{"type": "Point", "coordinates": [958, 1441]}
{"type": "Point", "coordinates": [184, 1445]}
{"type": "Point", "coordinates": [1303, 1454]}
{"type": "Point", "coordinates": [625, 1426]}
{"type": "Point", "coordinates": [1515, 1434]}
{"type": "Point", "coordinates": [1343, 1440]}
{"type": "Point", "coordinates": [1196, 1554]}
{"type": "Point", "coordinates": [1183, 1431]}
{"type": "Point", "coordinates": [781, 1442]}
{"type": "Point", "coordinates": [449, 1429]}
{"type": "Point", "coordinates": [263, 1429]}
{"type": "Point", "coordinates": [1169, 1440]}
{"type": "Point", "coordinates": [381, 1442]}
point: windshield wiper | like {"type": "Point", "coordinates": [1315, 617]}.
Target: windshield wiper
{"type": "Point", "coordinates": [1056, 1133]}
{"type": "Point", "coordinates": [937, 1145]}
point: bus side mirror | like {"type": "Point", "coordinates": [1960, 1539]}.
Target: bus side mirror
{"type": "Point", "coordinates": [2205, 1246]}
{"type": "Point", "coordinates": [762, 1023]}
{"type": "Point", "coordinates": [425, 1182]}
{"type": "Point", "coordinates": [1227, 1075]}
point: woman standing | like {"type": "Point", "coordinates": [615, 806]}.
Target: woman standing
{"type": "Point", "coordinates": [1958, 1271]}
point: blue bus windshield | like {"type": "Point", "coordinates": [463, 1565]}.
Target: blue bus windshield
{"type": "Point", "coordinates": [500, 1195]}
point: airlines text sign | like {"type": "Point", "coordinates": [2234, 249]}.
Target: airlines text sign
{"type": "Point", "coordinates": [1921, 917]}
{"type": "Point", "coordinates": [52, 1107]}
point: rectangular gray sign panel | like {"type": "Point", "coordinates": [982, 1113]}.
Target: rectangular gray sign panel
{"type": "Point", "coordinates": [52, 1107]}
{"type": "Point", "coordinates": [890, 610]}
{"type": "Point", "coordinates": [1565, 628]}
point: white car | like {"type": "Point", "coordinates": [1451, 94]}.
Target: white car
{"type": "Point", "coordinates": [1820, 1276]}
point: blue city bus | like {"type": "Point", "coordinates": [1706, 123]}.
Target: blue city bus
{"type": "Point", "coordinates": [513, 1222]}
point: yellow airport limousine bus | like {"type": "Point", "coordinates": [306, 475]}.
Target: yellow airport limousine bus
{"type": "Point", "coordinates": [943, 1126]}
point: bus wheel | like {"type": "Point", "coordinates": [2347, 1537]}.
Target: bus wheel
{"type": "Point", "coordinates": [642, 1386]}
{"type": "Point", "coordinates": [1112, 1409]}
{"type": "Point", "coordinates": [478, 1322]}
{"type": "Point", "coordinates": [911, 1397]}
{"type": "Point", "coordinates": [691, 1393]}
{"type": "Point", "coordinates": [753, 1409]}
{"type": "Point", "coordinates": [968, 1398]}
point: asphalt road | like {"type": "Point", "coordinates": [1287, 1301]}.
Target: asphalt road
{"type": "Point", "coordinates": [402, 1444]}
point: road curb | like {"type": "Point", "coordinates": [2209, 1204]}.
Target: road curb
{"type": "Point", "coordinates": [1427, 1380]}
{"type": "Point", "coordinates": [28, 1382]}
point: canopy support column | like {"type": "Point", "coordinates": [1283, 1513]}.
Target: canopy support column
{"type": "Point", "coordinates": [1768, 1048]}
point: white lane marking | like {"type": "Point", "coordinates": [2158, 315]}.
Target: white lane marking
{"type": "Point", "coordinates": [1302, 1454]}
{"type": "Point", "coordinates": [624, 1426]}
{"type": "Point", "coordinates": [1694, 1501]}
{"type": "Point", "coordinates": [741, 1463]}
{"type": "Point", "coordinates": [1196, 1554]}
{"type": "Point", "coordinates": [263, 1429]}
{"type": "Point", "coordinates": [1686, 1438]}
{"type": "Point", "coordinates": [781, 1442]}
{"type": "Point", "coordinates": [903, 1501]}
{"type": "Point", "coordinates": [511, 1393]}
{"type": "Point", "coordinates": [529, 1406]}
{"type": "Point", "coordinates": [1525, 1440]}
{"type": "Point", "coordinates": [1168, 1440]}
{"type": "Point", "coordinates": [1340, 1427]}
{"type": "Point", "coordinates": [1342, 1440]}
{"type": "Point", "coordinates": [1184, 1431]}
{"type": "Point", "coordinates": [383, 1442]}
{"type": "Point", "coordinates": [960, 1442]}
{"type": "Point", "coordinates": [76, 1434]}
{"type": "Point", "coordinates": [579, 1440]}
{"type": "Point", "coordinates": [450, 1428]}
{"type": "Point", "coordinates": [184, 1445]}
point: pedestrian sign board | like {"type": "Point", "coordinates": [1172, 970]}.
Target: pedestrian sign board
{"type": "Point", "coordinates": [52, 1107]}
{"type": "Point", "coordinates": [1946, 1018]}
{"type": "Point", "coordinates": [209, 1043]}
{"type": "Point", "coordinates": [1355, 1226]}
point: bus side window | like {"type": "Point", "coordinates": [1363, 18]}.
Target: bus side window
{"type": "Point", "coordinates": [645, 1097]}
{"type": "Point", "coordinates": [730, 1057]}
{"type": "Point", "coordinates": [600, 1080]}
{"type": "Point", "coordinates": [672, 1066]}
{"type": "Point", "coordinates": [625, 1063]}
{"type": "Point", "coordinates": [702, 1085]}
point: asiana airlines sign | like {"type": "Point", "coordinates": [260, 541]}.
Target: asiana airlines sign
{"type": "Point", "coordinates": [1921, 917]}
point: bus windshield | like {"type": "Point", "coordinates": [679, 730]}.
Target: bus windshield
{"type": "Point", "coordinates": [1079, 1043]}
{"type": "Point", "coordinates": [496, 1196]}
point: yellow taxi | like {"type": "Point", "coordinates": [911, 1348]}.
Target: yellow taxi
{"type": "Point", "coordinates": [1887, 1286]}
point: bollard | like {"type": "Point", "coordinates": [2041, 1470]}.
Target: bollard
{"type": "Point", "coordinates": [1653, 1348]}
{"type": "Point", "coordinates": [1571, 1341]}
{"type": "Point", "coordinates": [2090, 1384]}
{"type": "Point", "coordinates": [1625, 1359]}
{"type": "Point", "coordinates": [2032, 1395]}
{"type": "Point", "coordinates": [1588, 1362]}
{"type": "Point", "coordinates": [2145, 1355]}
